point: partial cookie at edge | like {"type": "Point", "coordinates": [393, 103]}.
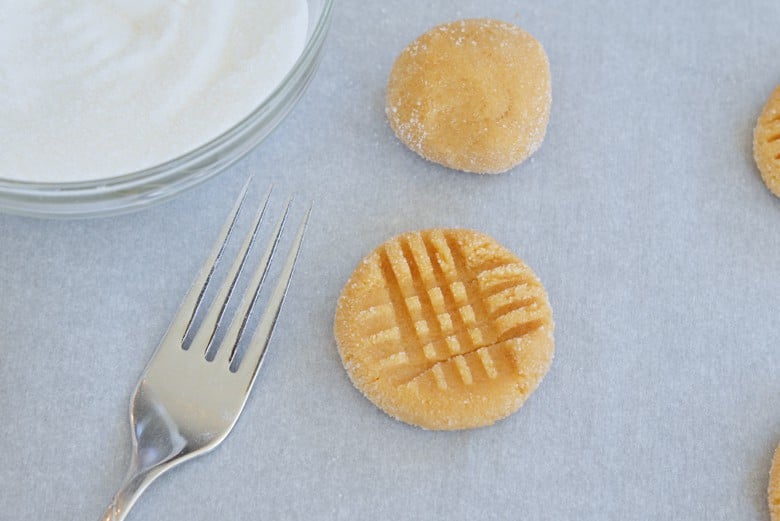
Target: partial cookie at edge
{"type": "Point", "coordinates": [766, 143]}
{"type": "Point", "coordinates": [773, 493]}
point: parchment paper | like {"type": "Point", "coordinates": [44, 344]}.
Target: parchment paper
{"type": "Point", "coordinates": [642, 213]}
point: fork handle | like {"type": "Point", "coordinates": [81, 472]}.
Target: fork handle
{"type": "Point", "coordinates": [127, 495]}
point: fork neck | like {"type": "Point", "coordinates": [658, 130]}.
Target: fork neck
{"type": "Point", "coordinates": [133, 486]}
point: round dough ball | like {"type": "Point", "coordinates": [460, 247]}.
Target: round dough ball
{"type": "Point", "coordinates": [766, 143]}
{"type": "Point", "coordinates": [472, 95]}
{"type": "Point", "coordinates": [445, 329]}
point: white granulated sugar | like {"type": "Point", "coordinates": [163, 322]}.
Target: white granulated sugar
{"type": "Point", "coordinates": [90, 90]}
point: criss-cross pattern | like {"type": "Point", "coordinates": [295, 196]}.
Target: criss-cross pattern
{"type": "Point", "coordinates": [449, 312]}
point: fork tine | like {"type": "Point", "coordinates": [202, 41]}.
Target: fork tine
{"type": "Point", "coordinates": [185, 315]}
{"type": "Point", "coordinates": [216, 311]}
{"type": "Point", "coordinates": [257, 347]}
{"type": "Point", "coordinates": [229, 344]}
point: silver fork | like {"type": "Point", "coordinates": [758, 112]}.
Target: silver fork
{"type": "Point", "coordinates": [185, 405]}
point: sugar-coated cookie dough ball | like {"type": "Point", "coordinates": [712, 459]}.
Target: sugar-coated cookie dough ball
{"type": "Point", "coordinates": [766, 143]}
{"type": "Point", "coordinates": [472, 95]}
{"type": "Point", "coordinates": [444, 329]}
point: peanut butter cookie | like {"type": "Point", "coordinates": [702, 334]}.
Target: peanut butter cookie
{"type": "Point", "coordinates": [766, 143]}
{"type": "Point", "coordinates": [444, 329]}
{"type": "Point", "coordinates": [472, 95]}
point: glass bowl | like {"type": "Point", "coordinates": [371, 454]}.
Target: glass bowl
{"type": "Point", "coordinates": [131, 191]}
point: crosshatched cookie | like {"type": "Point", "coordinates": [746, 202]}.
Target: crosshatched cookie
{"type": "Point", "coordinates": [472, 95]}
{"type": "Point", "coordinates": [766, 143]}
{"type": "Point", "coordinates": [774, 487]}
{"type": "Point", "coordinates": [445, 329]}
